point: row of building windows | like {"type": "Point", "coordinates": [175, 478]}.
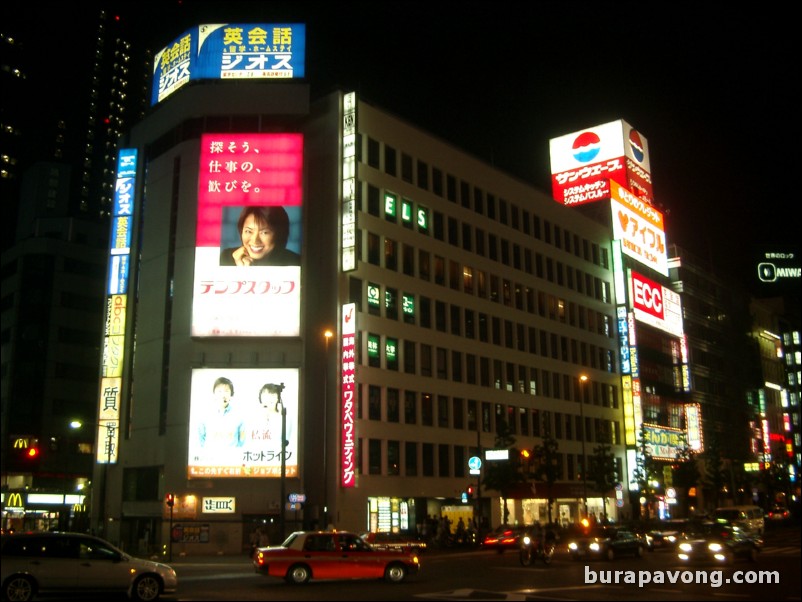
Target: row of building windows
{"type": "Point", "coordinates": [443, 411]}
{"type": "Point", "coordinates": [481, 202]}
{"type": "Point", "coordinates": [449, 317]}
{"type": "Point", "coordinates": [443, 460]}
{"type": "Point", "coordinates": [469, 280]}
{"type": "Point", "coordinates": [423, 359]}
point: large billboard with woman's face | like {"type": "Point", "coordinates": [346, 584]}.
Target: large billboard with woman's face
{"type": "Point", "coordinates": [248, 240]}
{"type": "Point", "coordinates": [235, 423]}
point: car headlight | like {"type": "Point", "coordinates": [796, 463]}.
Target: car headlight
{"type": "Point", "coordinates": [526, 540]}
{"type": "Point", "coordinates": [685, 547]}
{"type": "Point", "coordinates": [715, 547]}
{"type": "Point", "coordinates": [573, 546]}
{"type": "Point", "coordinates": [595, 547]}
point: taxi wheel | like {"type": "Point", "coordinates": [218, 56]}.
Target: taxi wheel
{"type": "Point", "coordinates": [753, 554]}
{"type": "Point", "coordinates": [609, 554]}
{"type": "Point", "coordinates": [639, 551]}
{"type": "Point", "coordinates": [298, 574]}
{"type": "Point", "coordinates": [395, 573]}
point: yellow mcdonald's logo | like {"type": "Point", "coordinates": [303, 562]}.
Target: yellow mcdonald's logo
{"type": "Point", "coordinates": [20, 444]}
{"type": "Point", "coordinates": [15, 500]}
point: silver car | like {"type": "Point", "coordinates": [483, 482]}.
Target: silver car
{"type": "Point", "coordinates": [49, 563]}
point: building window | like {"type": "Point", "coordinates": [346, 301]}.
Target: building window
{"type": "Point", "coordinates": [374, 358]}
{"type": "Point", "coordinates": [409, 357]}
{"type": "Point", "coordinates": [442, 363]}
{"type": "Point", "coordinates": [437, 181]}
{"type": "Point", "coordinates": [391, 353]}
{"type": "Point", "coordinates": [393, 458]}
{"type": "Point", "coordinates": [408, 259]}
{"type": "Point", "coordinates": [374, 456]}
{"type": "Point", "coordinates": [424, 265]}
{"type": "Point", "coordinates": [410, 407]}
{"type": "Point", "coordinates": [373, 248]}
{"type": "Point", "coordinates": [425, 359]}
{"type": "Point", "coordinates": [442, 460]}
{"type": "Point", "coordinates": [390, 254]}
{"type": "Point", "coordinates": [373, 153]}
{"type": "Point", "coordinates": [423, 175]}
{"type": "Point", "coordinates": [411, 459]}
{"type": "Point", "coordinates": [374, 402]}
{"type": "Point", "coordinates": [427, 409]}
{"type": "Point", "coordinates": [443, 411]}
{"type": "Point", "coordinates": [390, 159]}
{"type": "Point", "coordinates": [406, 168]}
{"type": "Point", "coordinates": [428, 459]}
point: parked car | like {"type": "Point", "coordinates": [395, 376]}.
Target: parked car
{"type": "Point", "coordinates": [306, 555]}
{"type": "Point", "coordinates": [504, 537]}
{"type": "Point", "coordinates": [70, 563]}
{"type": "Point", "coordinates": [606, 543]}
{"type": "Point", "coordinates": [779, 513]}
{"type": "Point", "coordinates": [394, 541]}
{"type": "Point", "coordinates": [719, 543]}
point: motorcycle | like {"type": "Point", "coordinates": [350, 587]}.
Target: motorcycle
{"type": "Point", "coordinates": [535, 548]}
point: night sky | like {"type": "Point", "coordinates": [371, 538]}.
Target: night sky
{"type": "Point", "coordinates": [710, 89]}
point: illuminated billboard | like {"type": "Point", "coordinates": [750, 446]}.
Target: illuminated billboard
{"type": "Point", "coordinates": [249, 234]}
{"type": "Point", "coordinates": [655, 305]}
{"type": "Point", "coordinates": [235, 423]}
{"type": "Point", "coordinates": [112, 365]}
{"type": "Point", "coordinates": [663, 442]}
{"type": "Point", "coordinates": [583, 163]}
{"type": "Point", "coordinates": [640, 229]}
{"type": "Point", "coordinates": [348, 400]}
{"type": "Point", "coordinates": [230, 51]}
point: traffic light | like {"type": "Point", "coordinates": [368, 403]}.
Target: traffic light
{"type": "Point", "coordinates": [32, 453]}
{"type": "Point", "coordinates": [170, 499]}
{"type": "Point", "coordinates": [469, 491]}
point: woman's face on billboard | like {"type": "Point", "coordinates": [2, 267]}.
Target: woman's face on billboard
{"type": "Point", "coordinates": [257, 237]}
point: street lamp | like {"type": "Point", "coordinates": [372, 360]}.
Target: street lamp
{"type": "Point", "coordinates": [276, 390]}
{"type": "Point", "coordinates": [582, 380]}
{"type": "Point", "coordinates": [327, 336]}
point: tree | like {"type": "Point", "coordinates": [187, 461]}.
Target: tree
{"type": "Point", "coordinates": [685, 473]}
{"type": "Point", "coordinates": [605, 472]}
{"type": "Point", "coordinates": [715, 477]}
{"type": "Point", "coordinates": [547, 462]}
{"type": "Point", "coordinates": [503, 475]}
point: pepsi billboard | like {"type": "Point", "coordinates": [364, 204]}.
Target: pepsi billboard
{"type": "Point", "coordinates": [230, 51]}
{"type": "Point", "coordinates": [583, 163]}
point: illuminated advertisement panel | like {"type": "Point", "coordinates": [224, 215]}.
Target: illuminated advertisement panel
{"type": "Point", "coordinates": [112, 366]}
{"type": "Point", "coordinates": [663, 442]}
{"type": "Point", "coordinates": [583, 163]}
{"type": "Point", "coordinates": [654, 304]}
{"type": "Point", "coordinates": [248, 240]}
{"type": "Point", "coordinates": [693, 425]}
{"type": "Point", "coordinates": [108, 421]}
{"type": "Point", "coordinates": [348, 227]}
{"type": "Point", "coordinates": [348, 401]}
{"type": "Point", "coordinates": [230, 51]}
{"type": "Point", "coordinates": [639, 227]}
{"type": "Point", "coordinates": [235, 422]}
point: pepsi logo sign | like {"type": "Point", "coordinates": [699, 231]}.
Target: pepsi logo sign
{"type": "Point", "coordinates": [636, 146]}
{"type": "Point", "coordinates": [586, 147]}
